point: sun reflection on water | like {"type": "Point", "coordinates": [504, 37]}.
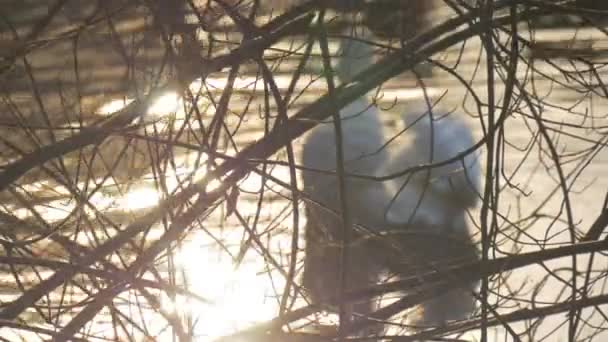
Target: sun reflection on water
{"type": "Point", "coordinates": [163, 105]}
{"type": "Point", "coordinates": [113, 106]}
{"type": "Point", "coordinates": [238, 296]}
{"type": "Point", "coordinates": [139, 199]}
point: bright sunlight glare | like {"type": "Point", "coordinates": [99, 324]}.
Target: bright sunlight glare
{"type": "Point", "coordinates": [139, 199]}
{"type": "Point", "coordinates": [113, 106]}
{"type": "Point", "coordinates": [164, 105]}
{"type": "Point", "coordinates": [235, 294]}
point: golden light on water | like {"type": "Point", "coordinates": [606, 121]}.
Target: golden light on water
{"type": "Point", "coordinates": [166, 104]}
{"type": "Point", "coordinates": [139, 199]}
{"type": "Point", "coordinates": [282, 81]}
{"type": "Point", "coordinates": [113, 106]}
{"type": "Point", "coordinates": [238, 296]}
{"type": "Point", "coordinates": [52, 211]}
{"type": "Point", "coordinates": [172, 103]}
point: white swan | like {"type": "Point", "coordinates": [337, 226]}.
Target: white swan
{"type": "Point", "coordinates": [362, 138]}
{"type": "Point", "coordinates": [427, 213]}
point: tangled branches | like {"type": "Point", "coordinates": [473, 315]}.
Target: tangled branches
{"type": "Point", "coordinates": [151, 180]}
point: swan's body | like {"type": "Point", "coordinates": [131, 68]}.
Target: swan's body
{"type": "Point", "coordinates": [432, 206]}
{"type": "Point", "coordinates": [433, 203]}
{"type": "Point", "coordinates": [442, 191]}
{"type": "Point", "coordinates": [362, 139]}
